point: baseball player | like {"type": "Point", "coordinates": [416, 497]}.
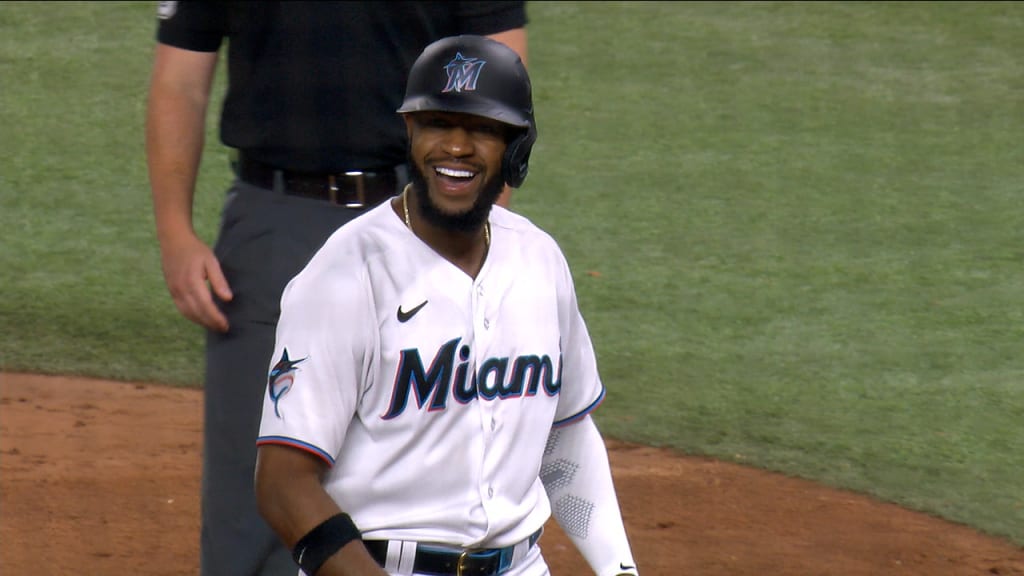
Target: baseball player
{"type": "Point", "coordinates": [428, 407]}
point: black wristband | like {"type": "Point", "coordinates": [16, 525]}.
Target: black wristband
{"type": "Point", "coordinates": [320, 543]}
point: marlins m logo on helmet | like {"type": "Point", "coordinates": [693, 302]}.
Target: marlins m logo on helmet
{"type": "Point", "coordinates": [463, 73]}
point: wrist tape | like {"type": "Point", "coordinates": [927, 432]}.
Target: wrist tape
{"type": "Point", "coordinates": [320, 543]}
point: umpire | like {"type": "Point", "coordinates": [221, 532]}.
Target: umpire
{"type": "Point", "coordinates": [315, 149]}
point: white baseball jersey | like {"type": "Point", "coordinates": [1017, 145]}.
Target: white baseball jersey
{"type": "Point", "coordinates": [429, 393]}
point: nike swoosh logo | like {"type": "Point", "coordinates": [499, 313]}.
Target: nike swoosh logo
{"type": "Point", "coordinates": [404, 316]}
{"type": "Point", "coordinates": [624, 567]}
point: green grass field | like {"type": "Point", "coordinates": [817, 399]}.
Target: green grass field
{"type": "Point", "coordinates": [797, 228]}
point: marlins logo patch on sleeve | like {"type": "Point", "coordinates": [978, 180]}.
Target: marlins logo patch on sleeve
{"type": "Point", "coordinates": [281, 377]}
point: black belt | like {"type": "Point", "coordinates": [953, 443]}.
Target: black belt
{"type": "Point", "coordinates": [350, 189]}
{"type": "Point", "coordinates": [447, 562]}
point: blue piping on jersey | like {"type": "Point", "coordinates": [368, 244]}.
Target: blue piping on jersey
{"type": "Point", "coordinates": [305, 446]}
{"type": "Point", "coordinates": [580, 415]}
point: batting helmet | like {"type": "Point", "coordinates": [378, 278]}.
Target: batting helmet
{"type": "Point", "coordinates": [476, 75]}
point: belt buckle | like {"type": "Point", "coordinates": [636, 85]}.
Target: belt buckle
{"type": "Point", "coordinates": [360, 200]}
{"type": "Point", "coordinates": [458, 565]}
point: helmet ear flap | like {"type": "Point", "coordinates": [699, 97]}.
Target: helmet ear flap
{"type": "Point", "coordinates": [516, 162]}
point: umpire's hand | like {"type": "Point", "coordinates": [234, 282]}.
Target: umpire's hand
{"type": "Point", "coordinates": [188, 266]}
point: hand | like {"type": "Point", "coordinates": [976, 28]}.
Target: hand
{"type": "Point", "coordinates": [188, 265]}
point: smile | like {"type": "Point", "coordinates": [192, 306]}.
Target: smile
{"type": "Point", "coordinates": [452, 173]}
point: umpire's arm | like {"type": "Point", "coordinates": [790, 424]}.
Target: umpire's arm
{"type": "Point", "coordinates": [291, 498]}
{"type": "Point", "coordinates": [516, 40]}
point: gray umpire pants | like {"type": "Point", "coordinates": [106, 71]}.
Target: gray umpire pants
{"type": "Point", "coordinates": [265, 238]}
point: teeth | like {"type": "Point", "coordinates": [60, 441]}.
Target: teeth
{"type": "Point", "coordinates": [453, 173]}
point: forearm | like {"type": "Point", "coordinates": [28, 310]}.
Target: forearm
{"type": "Point", "coordinates": [299, 507]}
{"type": "Point", "coordinates": [292, 500]}
{"type": "Point", "coordinates": [174, 142]}
{"type": "Point", "coordinates": [292, 503]}
{"type": "Point", "coordinates": [577, 476]}
{"type": "Point", "coordinates": [175, 133]}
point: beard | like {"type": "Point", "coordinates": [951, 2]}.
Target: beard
{"type": "Point", "coordinates": [468, 221]}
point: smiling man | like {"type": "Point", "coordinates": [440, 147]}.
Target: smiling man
{"type": "Point", "coordinates": [430, 404]}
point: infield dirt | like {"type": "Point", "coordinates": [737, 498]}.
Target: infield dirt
{"type": "Point", "coordinates": [100, 478]}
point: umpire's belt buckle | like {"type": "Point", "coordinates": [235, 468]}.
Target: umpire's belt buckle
{"type": "Point", "coordinates": [360, 199]}
{"type": "Point", "coordinates": [458, 565]}
{"type": "Point", "coordinates": [360, 183]}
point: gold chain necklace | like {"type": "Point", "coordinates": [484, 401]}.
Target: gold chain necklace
{"type": "Point", "coordinates": [408, 223]}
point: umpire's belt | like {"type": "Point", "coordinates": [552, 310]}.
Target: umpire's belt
{"type": "Point", "coordinates": [442, 561]}
{"type": "Point", "coordinates": [350, 189]}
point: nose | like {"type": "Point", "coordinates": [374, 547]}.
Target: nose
{"type": "Point", "coordinates": [457, 142]}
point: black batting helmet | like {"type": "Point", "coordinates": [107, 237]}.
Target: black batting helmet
{"type": "Point", "coordinates": [476, 75]}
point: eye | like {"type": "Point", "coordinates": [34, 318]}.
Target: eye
{"type": "Point", "coordinates": [489, 129]}
{"type": "Point", "coordinates": [436, 122]}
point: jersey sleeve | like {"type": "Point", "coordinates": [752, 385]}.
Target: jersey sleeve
{"type": "Point", "coordinates": [582, 390]}
{"type": "Point", "coordinates": [196, 26]}
{"type": "Point", "coordinates": [324, 344]}
{"type": "Point", "coordinates": [483, 18]}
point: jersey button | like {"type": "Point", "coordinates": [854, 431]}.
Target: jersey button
{"type": "Point", "coordinates": [480, 290]}
{"type": "Point", "coordinates": [494, 424]}
{"type": "Point", "coordinates": [490, 491]}
{"type": "Point", "coordinates": [487, 323]}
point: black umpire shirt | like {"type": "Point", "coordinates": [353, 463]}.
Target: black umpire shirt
{"type": "Point", "coordinates": [313, 86]}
